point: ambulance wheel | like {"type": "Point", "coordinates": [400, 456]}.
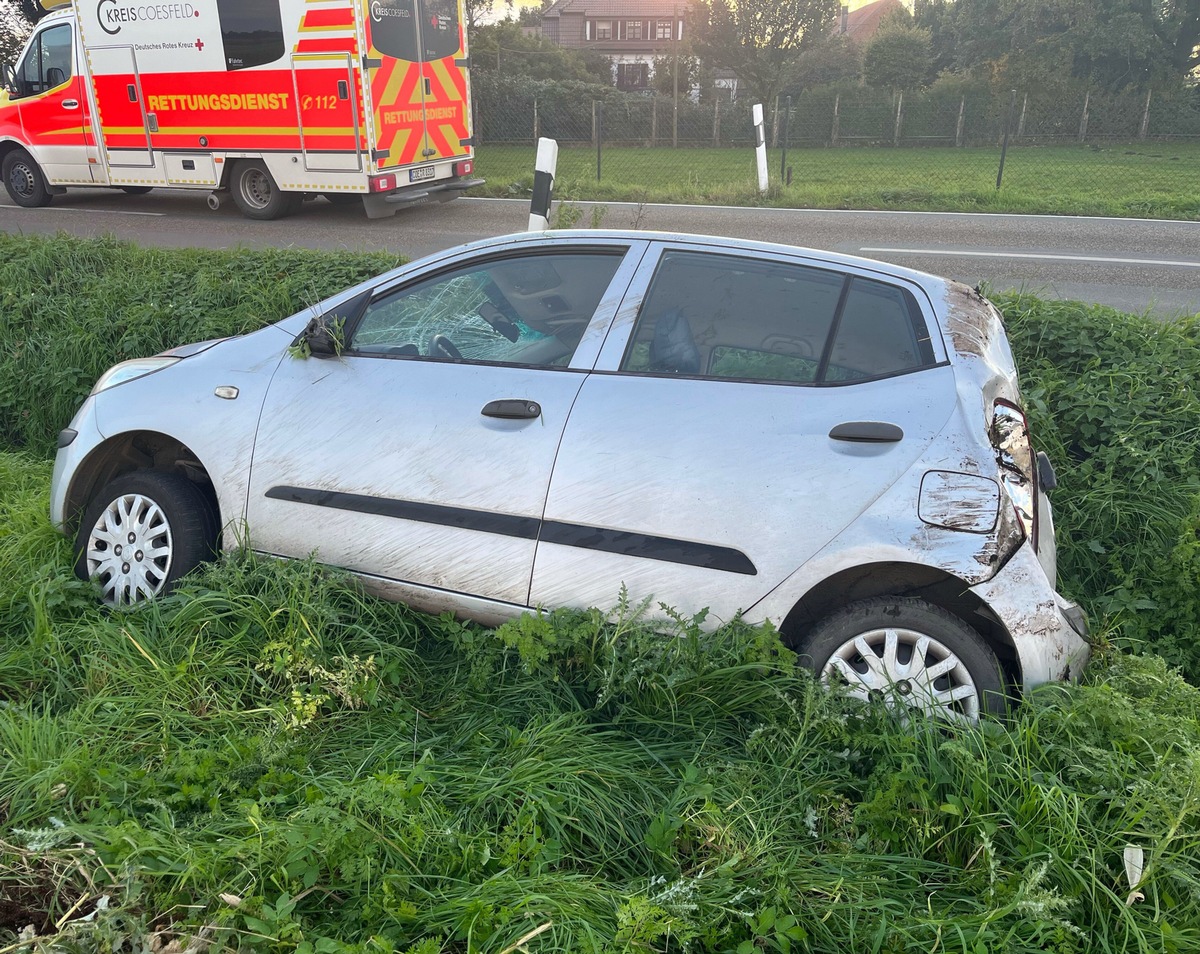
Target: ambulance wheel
{"type": "Point", "coordinates": [23, 180]}
{"type": "Point", "coordinates": [256, 194]}
{"type": "Point", "coordinates": [136, 190]}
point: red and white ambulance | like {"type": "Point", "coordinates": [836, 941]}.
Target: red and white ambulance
{"type": "Point", "coordinates": [267, 100]}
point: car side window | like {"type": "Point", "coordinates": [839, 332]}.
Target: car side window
{"type": "Point", "coordinates": [47, 62]}
{"type": "Point", "coordinates": [528, 310]}
{"type": "Point", "coordinates": [880, 332]}
{"type": "Point", "coordinates": [725, 316]}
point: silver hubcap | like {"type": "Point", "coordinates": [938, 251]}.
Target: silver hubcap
{"type": "Point", "coordinates": [21, 179]}
{"type": "Point", "coordinates": [257, 188]}
{"type": "Point", "coordinates": [129, 550]}
{"type": "Point", "coordinates": [904, 668]}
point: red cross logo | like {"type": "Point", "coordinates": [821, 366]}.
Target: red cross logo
{"type": "Point", "coordinates": [200, 45]}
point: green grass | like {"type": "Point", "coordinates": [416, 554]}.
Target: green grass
{"type": "Point", "coordinates": [277, 762]}
{"type": "Point", "coordinates": [272, 761]}
{"type": "Point", "coordinates": [1154, 180]}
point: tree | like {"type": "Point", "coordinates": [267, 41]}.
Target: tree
{"type": "Point", "coordinates": [663, 78]}
{"type": "Point", "coordinates": [476, 10]}
{"type": "Point", "coordinates": [836, 59]}
{"type": "Point", "coordinates": [14, 28]}
{"type": "Point", "coordinates": [898, 57]}
{"type": "Point", "coordinates": [532, 16]}
{"type": "Point", "coordinates": [760, 40]}
{"type": "Point", "coordinates": [505, 44]}
{"type": "Point", "coordinates": [31, 10]}
{"type": "Point", "coordinates": [1107, 43]}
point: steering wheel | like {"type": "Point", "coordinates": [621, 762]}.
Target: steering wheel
{"type": "Point", "coordinates": [443, 347]}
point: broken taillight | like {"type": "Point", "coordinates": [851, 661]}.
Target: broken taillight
{"type": "Point", "coordinates": [1018, 465]}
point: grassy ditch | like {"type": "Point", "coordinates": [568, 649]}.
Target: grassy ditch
{"type": "Point", "coordinates": [273, 761]}
{"type": "Point", "coordinates": [270, 760]}
{"type": "Point", "coordinates": [1141, 180]}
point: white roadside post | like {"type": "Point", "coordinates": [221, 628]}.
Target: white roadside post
{"type": "Point", "coordinates": [760, 147]}
{"type": "Point", "coordinates": [543, 185]}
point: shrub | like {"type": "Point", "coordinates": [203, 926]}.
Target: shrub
{"type": "Point", "coordinates": [70, 308]}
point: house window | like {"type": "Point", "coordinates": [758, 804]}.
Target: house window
{"type": "Point", "coordinates": [633, 30]}
{"type": "Point", "coordinates": [633, 75]}
{"type": "Point", "coordinates": [604, 29]}
{"type": "Point", "coordinates": [662, 30]}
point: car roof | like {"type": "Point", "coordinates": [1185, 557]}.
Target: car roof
{"type": "Point", "coordinates": [933, 285]}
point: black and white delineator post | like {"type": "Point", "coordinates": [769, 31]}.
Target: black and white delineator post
{"type": "Point", "coordinates": [760, 146]}
{"type": "Point", "coordinates": [543, 185]}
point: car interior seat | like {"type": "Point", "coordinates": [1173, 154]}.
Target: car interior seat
{"type": "Point", "coordinates": [673, 348]}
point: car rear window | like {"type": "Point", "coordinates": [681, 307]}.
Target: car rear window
{"type": "Point", "coordinates": [754, 319]}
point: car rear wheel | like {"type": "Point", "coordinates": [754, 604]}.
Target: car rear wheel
{"type": "Point", "coordinates": [23, 180]}
{"type": "Point", "coordinates": [142, 532]}
{"type": "Point", "coordinates": [257, 195]}
{"type": "Point", "coordinates": [906, 653]}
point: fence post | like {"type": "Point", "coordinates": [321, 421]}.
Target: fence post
{"type": "Point", "coordinates": [962, 115]}
{"type": "Point", "coordinates": [837, 101]}
{"type": "Point", "coordinates": [595, 138]}
{"type": "Point", "coordinates": [599, 107]}
{"type": "Point", "coordinates": [787, 118]}
{"type": "Point", "coordinates": [717, 121]}
{"type": "Point", "coordinates": [1083, 122]}
{"type": "Point", "coordinates": [1012, 101]}
{"type": "Point", "coordinates": [654, 121]}
{"type": "Point", "coordinates": [1145, 117]}
{"type": "Point", "coordinates": [536, 131]}
{"type": "Point", "coordinates": [899, 119]}
{"type": "Point", "coordinates": [675, 77]}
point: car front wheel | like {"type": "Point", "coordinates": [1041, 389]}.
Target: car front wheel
{"type": "Point", "coordinates": [142, 532]}
{"type": "Point", "coordinates": [906, 653]}
{"type": "Point", "coordinates": [23, 180]}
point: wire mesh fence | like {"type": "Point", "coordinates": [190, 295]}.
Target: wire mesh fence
{"type": "Point", "coordinates": [1126, 153]}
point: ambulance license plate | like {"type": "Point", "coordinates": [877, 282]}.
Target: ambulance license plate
{"type": "Point", "coordinates": [418, 175]}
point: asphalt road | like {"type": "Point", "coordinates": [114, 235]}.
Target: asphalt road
{"type": "Point", "coordinates": [1133, 264]}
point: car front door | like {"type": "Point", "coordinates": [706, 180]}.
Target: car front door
{"type": "Point", "coordinates": [53, 105]}
{"type": "Point", "coordinates": [744, 410]}
{"type": "Point", "coordinates": [423, 453]}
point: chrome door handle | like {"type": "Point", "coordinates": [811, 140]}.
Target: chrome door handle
{"type": "Point", "coordinates": [70, 104]}
{"type": "Point", "coordinates": [512, 410]}
{"type": "Point", "coordinates": [867, 432]}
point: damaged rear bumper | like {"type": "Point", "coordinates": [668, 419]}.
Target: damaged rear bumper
{"type": "Point", "coordinates": [1048, 631]}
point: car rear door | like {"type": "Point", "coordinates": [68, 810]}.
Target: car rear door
{"type": "Point", "coordinates": [744, 410]}
{"type": "Point", "coordinates": [422, 454]}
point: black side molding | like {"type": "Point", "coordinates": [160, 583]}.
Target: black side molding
{"type": "Point", "coordinates": [643, 545]}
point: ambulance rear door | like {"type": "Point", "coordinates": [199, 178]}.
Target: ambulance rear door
{"type": "Point", "coordinates": [417, 77]}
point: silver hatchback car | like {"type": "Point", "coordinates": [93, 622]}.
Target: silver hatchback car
{"type": "Point", "coordinates": [827, 442]}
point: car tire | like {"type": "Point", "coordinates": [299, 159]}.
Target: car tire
{"type": "Point", "coordinates": [888, 648]}
{"type": "Point", "coordinates": [136, 190]}
{"type": "Point", "coordinates": [23, 180]}
{"type": "Point", "coordinates": [167, 520]}
{"type": "Point", "coordinates": [257, 195]}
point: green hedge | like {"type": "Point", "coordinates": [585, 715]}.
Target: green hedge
{"type": "Point", "coordinates": [70, 308]}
